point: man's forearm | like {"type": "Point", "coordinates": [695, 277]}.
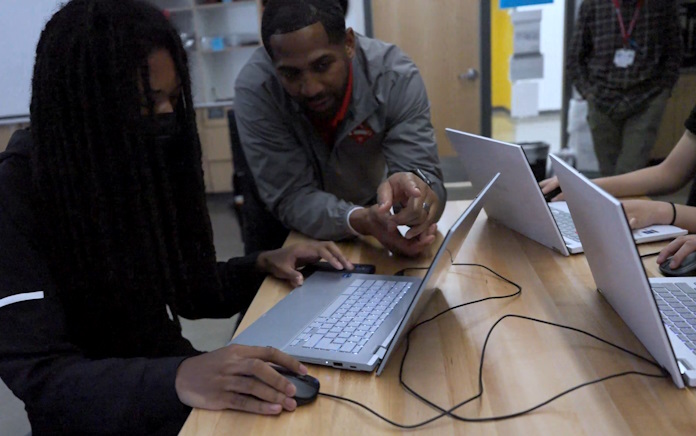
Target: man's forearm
{"type": "Point", "coordinates": [317, 214]}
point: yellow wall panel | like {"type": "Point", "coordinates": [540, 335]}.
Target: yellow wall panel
{"type": "Point", "coordinates": [501, 51]}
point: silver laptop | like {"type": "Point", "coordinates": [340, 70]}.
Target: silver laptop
{"type": "Point", "coordinates": [355, 321]}
{"type": "Point", "coordinates": [517, 201]}
{"type": "Point", "coordinates": [664, 317]}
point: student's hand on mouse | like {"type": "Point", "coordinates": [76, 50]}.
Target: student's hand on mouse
{"type": "Point", "coordinates": [679, 248]}
{"type": "Point", "coordinates": [643, 213]}
{"type": "Point", "coordinates": [238, 377]}
{"type": "Point", "coordinates": [283, 263]}
{"type": "Point", "coordinates": [549, 185]}
{"type": "Point", "coordinates": [420, 204]}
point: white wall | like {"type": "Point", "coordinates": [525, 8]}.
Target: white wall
{"type": "Point", "coordinates": [21, 22]}
{"type": "Point", "coordinates": [356, 15]}
{"type": "Point", "coordinates": [552, 29]}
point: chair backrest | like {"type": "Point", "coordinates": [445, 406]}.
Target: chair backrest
{"type": "Point", "coordinates": [691, 199]}
{"type": "Point", "coordinates": [239, 163]}
{"type": "Point", "coordinates": [261, 230]}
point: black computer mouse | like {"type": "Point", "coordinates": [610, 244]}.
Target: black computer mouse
{"type": "Point", "coordinates": [306, 385]}
{"type": "Point", "coordinates": [687, 267]}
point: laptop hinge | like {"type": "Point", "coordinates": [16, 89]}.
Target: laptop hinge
{"type": "Point", "coordinates": [385, 343]}
{"type": "Point", "coordinates": [688, 374]}
{"type": "Point", "coordinates": [378, 355]}
{"type": "Point", "coordinates": [381, 349]}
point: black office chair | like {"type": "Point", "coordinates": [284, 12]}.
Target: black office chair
{"type": "Point", "coordinates": [261, 230]}
{"type": "Point", "coordinates": [691, 200]}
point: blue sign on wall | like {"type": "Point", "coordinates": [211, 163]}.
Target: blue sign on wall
{"type": "Point", "coordinates": [514, 3]}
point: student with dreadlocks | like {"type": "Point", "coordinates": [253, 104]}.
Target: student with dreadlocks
{"type": "Point", "coordinates": [106, 240]}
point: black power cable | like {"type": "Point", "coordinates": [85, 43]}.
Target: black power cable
{"type": "Point", "coordinates": [450, 412]}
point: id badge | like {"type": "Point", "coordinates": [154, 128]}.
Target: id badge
{"type": "Point", "coordinates": [624, 57]}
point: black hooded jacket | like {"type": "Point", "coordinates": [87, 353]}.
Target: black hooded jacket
{"type": "Point", "coordinates": [64, 391]}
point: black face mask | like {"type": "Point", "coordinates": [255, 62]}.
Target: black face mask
{"type": "Point", "coordinates": [166, 135]}
{"type": "Point", "coordinates": [165, 127]}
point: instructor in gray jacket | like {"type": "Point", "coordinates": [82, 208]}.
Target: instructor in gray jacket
{"type": "Point", "coordinates": [336, 130]}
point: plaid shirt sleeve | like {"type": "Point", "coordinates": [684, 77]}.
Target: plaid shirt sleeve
{"type": "Point", "coordinates": [672, 46]}
{"type": "Point", "coordinates": [580, 50]}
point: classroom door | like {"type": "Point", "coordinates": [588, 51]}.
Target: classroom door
{"type": "Point", "coordinates": [443, 39]}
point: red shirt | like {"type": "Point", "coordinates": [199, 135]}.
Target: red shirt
{"type": "Point", "coordinates": [327, 128]}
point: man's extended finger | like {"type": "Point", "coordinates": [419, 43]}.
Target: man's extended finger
{"type": "Point", "coordinates": [409, 186]}
{"type": "Point", "coordinates": [417, 230]}
{"type": "Point", "coordinates": [380, 214]}
{"type": "Point", "coordinates": [425, 239]}
{"type": "Point", "coordinates": [411, 215]}
{"type": "Point", "coordinates": [420, 214]}
{"type": "Point", "coordinates": [385, 197]}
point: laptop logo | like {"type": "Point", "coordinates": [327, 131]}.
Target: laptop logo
{"type": "Point", "coordinates": [346, 275]}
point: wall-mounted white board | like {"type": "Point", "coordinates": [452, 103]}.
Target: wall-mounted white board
{"type": "Point", "coordinates": [21, 23]}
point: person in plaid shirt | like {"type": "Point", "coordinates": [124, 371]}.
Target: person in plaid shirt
{"type": "Point", "coordinates": [624, 60]}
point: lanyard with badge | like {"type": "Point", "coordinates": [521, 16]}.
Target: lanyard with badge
{"type": "Point", "coordinates": [625, 56]}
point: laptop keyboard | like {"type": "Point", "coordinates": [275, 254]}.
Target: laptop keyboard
{"type": "Point", "coordinates": [349, 322]}
{"type": "Point", "coordinates": [565, 224]}
{"type": "Point", "coordinates": [677, 303]}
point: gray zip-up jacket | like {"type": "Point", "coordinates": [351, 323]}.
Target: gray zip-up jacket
{"type": "Point", "coordinates": [311, 186]}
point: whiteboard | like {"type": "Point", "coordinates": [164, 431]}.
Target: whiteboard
{"type": "Point", "coordinates": [356, 16]}
{"type": "Point", "coordinates": [21, 22]}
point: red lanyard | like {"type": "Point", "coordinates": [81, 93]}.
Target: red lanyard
{"type": "Point", "coordinates": [627, 35]}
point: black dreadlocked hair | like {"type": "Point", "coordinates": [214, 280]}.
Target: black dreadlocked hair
{"type": "Point", "coordinates": [126, 223]}
{"type": "Point", "coordinates": [286, 16]}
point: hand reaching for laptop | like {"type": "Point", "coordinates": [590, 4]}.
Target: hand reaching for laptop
{"type": "Point", "coordinates": [283, 263]}
{"type": "Point", "coordinates": [643, 213]}
{"type": "Point", "coordinates": [549, 185]}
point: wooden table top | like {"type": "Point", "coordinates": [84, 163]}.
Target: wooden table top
{"type": "Point", "coordinates": [526, 363]}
